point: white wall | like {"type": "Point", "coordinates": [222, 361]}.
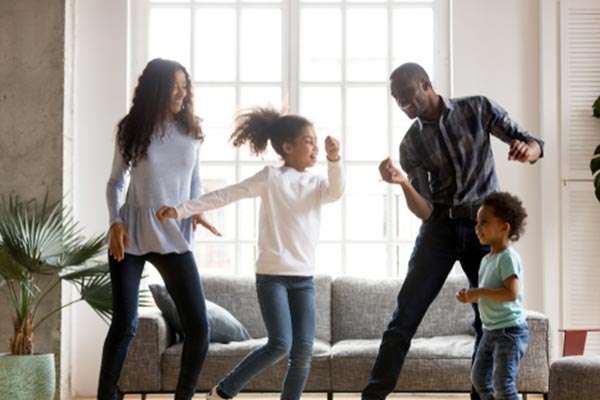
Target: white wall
{"type": "Point", "coordinates": [99, 101]}
{"type": "Point", "coordinates": [496, 52]}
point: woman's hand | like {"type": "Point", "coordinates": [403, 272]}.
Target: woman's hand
{"type": "Point", "coordinates": [332, 148]}
{"type": "Point", "coordinates": [118, 240]}
{"type": "Point", "coordinates": [199, 219]}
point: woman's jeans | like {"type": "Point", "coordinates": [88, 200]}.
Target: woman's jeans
{"type": "Point", "coordinates": [287, 304]}
{"type": "Point", "coordinates": [181, 278]}
{"type": "Point", "coordinates": [497, 362]}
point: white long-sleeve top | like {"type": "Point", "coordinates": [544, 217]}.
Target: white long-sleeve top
{"type": "Point", "coordinates": [290, 213]}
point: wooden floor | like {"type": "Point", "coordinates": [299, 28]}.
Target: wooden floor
{"type": "Point", "coordinates": [340, 396]}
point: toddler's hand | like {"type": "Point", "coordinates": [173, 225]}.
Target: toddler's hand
{"type": "Point", "coordinates": [166, 212]}
{"type": "Point", "coordinates": [332, 148]}
{"type": "Point", "coordinates": [461, 295]}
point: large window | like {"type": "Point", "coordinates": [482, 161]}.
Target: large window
{"type": "Point", "coordinates": [326, 60]}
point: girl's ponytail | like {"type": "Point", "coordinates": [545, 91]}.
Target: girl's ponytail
{"type": "Point", "coordinates": [255, 127]}
{"type": "Point", "coordinates": [260, 124]}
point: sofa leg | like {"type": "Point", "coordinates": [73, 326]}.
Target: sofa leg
{"type": "Point", "coordinates": [524, 396]}
{"type": "Point", "coordinates": [329, 395]}
{"type": "Point", "coordinates": [143, 396]}
{"type": "Point", "coordinates": [545, 396]}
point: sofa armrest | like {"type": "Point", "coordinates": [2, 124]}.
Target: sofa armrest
{"type": "Point", "coordinates": [142, 369]}
{"type": "Point", "coordinates": [535, 367]}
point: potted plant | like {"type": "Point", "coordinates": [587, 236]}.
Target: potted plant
{"type": "Point", "coordinates": [595, 163]}
{"type": "Point", "coordinates": [40, 246]}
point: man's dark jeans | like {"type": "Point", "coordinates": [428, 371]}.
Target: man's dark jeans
{"type": "Point", "coordinates": [440, 243]}
{"type": "Point", "coordinates": [181, 278]}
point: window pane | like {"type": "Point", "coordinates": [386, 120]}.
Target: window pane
{"type": "Point", "coordinates": [248, 255]}
{"type": "Point", "coordinates": [214, 60]}
{"type": "Point", "coordinates": [215, 177]}
{"type": "Point", "coordinates": [216, 106]}
{"type": "Point", "coordinates": [366, 260]}
{"type": "Point", "coordinates": [329, 259]}
{"type": "Point", "coordinates": [217, 258]}
{"type": "Point", "coordinates": [366, 45]}
{"type": "Point", "coordinates": [413, 37]}
{"type": "Point", "coordinates": [320, 44]}
{"type": "Point", "coordinates": [365, 204]}
{"type": "Point", "coordinates": [331, 213]}
{"type": "Point", "coordinates": [408, 224]}
{"type": "Point", "coordinates": [261, 96]}
{"type": "Point", "coordinates": [261, 45]}
{"type": "Point", "coordinates": [366, 123]}
{"type": "Point", "coordinates": [323, 106]}
{"type": "Point", "coordinates": [403, 253]}
{"type": "Point", "coordinates": [249, 208]}
{"type": "Point", "coordinates": [170, 35]}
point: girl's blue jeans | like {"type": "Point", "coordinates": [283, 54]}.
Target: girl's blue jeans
{"type": "Point", "coordinates": [287, 304]}
{"type": "Point", "coordinates": [497, 362]}
{"type": "Point", "coordinates": [181, 278]}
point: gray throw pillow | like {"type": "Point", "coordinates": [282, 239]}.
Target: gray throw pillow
{"type": "Point", "coordinates": [224, 327]}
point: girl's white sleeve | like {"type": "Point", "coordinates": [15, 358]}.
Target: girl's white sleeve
{"type": "Point", "coordinates": [251, 187]}
{"type": "Point", "coordinates": [332, 188]}
{"type": "Point", "coordinates": [116, 186]}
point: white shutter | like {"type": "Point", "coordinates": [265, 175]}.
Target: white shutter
{"type": "Point", "coordinates": [580, 85]}
{"type": "Point", "coordinates": [580, 134]}
{"type": "Point", "coordinates": [581, 260]}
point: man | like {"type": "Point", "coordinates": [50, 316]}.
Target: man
{"type": "Point", "coordinates": [447, 155]}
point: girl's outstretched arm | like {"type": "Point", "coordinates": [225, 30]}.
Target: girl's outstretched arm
{"type": "Point", "coordinates": [251, 187]}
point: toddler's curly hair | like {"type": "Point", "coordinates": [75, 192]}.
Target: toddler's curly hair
{"type": "Point", "coordinates": [510, 209]}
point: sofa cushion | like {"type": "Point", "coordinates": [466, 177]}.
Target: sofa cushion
{"type": "Point", "coordinates": [362, 308]}
{"type": "Point", "coordinates": [432, 364]}
{"type": "Point", "coordinates": [237, 294]}
{"type": "Point", "coordinates": [224, 328]}
{"type": "Point", "coordinates": [223, 357]}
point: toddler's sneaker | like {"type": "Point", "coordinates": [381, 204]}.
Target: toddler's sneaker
{"type": "Point", "coordinates": [213, 394]}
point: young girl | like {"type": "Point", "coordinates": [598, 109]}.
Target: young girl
{"type": "Point", "coordinates": [288, 231]}
{"type": "Point", "coordinates": [500, 220]}
{"type": "Point", "coordinates": [157, 147]}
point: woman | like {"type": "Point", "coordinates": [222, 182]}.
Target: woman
{"type": "Point", "coordinates": [157, 146]}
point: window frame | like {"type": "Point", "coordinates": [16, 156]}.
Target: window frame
{"type": "Point", "coordinates": [139, 11]}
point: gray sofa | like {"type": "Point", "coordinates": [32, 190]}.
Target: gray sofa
{"type": "Point", "coordinates": [352, 314]}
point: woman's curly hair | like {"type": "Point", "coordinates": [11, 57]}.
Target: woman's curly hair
{"type": "Point", "coordinates": [258, 125]}
{"type": "Point", "coordinates": [509, 209]}
{"type": "Point", "coordinates": [150, 107]}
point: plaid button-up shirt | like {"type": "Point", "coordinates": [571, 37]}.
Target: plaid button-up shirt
{"type": "Point", "coordinates": [450, 162]}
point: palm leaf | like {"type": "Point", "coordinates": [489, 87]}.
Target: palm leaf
{"type": "Point", "coordinates": [79, 253]}
{"type": "Point", "coordinates": [96, 291]}
{"type": "Point", "coordinates": [10, 268]}
{"type": "Point", "coordinates": [84, 271]}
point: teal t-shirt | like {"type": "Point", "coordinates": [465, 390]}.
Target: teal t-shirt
{"type": "Point", "coordinates": [492, 273]}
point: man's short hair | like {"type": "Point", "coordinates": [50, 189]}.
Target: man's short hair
{"type": "Point", "coordinates": [409, 70]}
